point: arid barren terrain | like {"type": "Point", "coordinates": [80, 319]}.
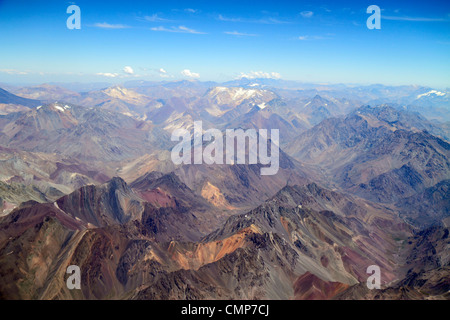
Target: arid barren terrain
{"type": "Point", "coordinates": [90, 182]}
{"type": "Point", "coordinates": [228, 151]}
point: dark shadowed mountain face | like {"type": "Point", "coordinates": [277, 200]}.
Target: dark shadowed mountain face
{"type": "Point", "coordinates": [89, 181]}
{"type": "Point", "coordinates": [429, 207]}
{"type": "Point", "coordinates": [371, 157]}
{"type": "Point", "coordinates": [403, 119]}
{"type": "Point", "coordinates": [172, 206]}
{"type": "Point", "coordinates": [9, 98]}
{"type": "Point", "coordinates": [111, 203]}
{"type": "Point", "coordinates": [163, 207]}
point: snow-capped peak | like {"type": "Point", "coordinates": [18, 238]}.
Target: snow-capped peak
{"type": "Point", "coordinates": [427, 94]}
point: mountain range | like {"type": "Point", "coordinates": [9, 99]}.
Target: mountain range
{"type": "Point", "coordinates": [86, 179]}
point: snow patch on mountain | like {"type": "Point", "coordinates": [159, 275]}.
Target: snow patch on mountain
{"type": "Point", "coordinates": [262, 105]}
{"type": "Point", "coordinates": [429, 93]}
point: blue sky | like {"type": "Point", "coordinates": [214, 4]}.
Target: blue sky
{"type": "Point", "coordinates": [310, 41]}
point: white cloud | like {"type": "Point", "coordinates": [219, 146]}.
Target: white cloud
{"type": "Point", "coordinates": [307, 38]}
{"type": "Point", "coordinates": [268, 20]}
{"type": "Point", "coordinates": [163, 73]}
{"type": "Point", "coordinates": [413, 19]}
{"type": "Point", "coordinates": [128, 70]}
{"type": "Point", "coordinates": [260, 74]}
{"type": "Point", "coordinates": [239, 34]}
{"type": "Point", "coordinates": [189, 74]}
{"type": "Point", "coordinates": [306, 14]}
{"type": "Point", "coordinates": [156, 18]}
{"type": "Point", "coordinates": [187, 30]}
{"type": "Point", "coordinates": [105, 25]}
{"type": "Point", "coordinates": [222, 18]}
{"type": "Point", "coordinates": [179, 29]}
{"type": "Point", "coordinates": [190, 10]}
{"type": "Point", "coordinates": [13, 71]}
{"type": "Point", "coordinates": [107, 74]}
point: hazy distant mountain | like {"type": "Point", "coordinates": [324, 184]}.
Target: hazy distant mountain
{"type": "Point", "coordinates": [434, 98]}
{"type": "Point", "coordinates": [220, 100]}
{"type": "Point", "coordinates": [259, 83]}
{"type": "Point", "coordinates": [405, 119]}
{"type": "Point", "coordinates": [81, 86]}
{"type": "Point", "coordinates": [46, 92]}
{"type": "Point", "coordinates": [9, 98]}
{"type": "Point", "coordinates": [305, 112]}
{"type": "Point", "coordinates": [433, 105]}
{"type": "Point", "coordinates": [176, 89]}
{"type": "Point", "coordinates": [115, 98]}
{"type": "Point", "coordinates": [137, 97]}
{"type": "Point", "coordinates": [83, 133]}
{"type": "Point", "coordinates": [263, 118]}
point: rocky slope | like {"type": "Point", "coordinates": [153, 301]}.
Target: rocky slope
{"type": "Point", "coordinates": [368, 155]}
{"type": "Point", "coordinates": [129, 248]}
{"type": "Point", "coordinates": [94, 186]}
